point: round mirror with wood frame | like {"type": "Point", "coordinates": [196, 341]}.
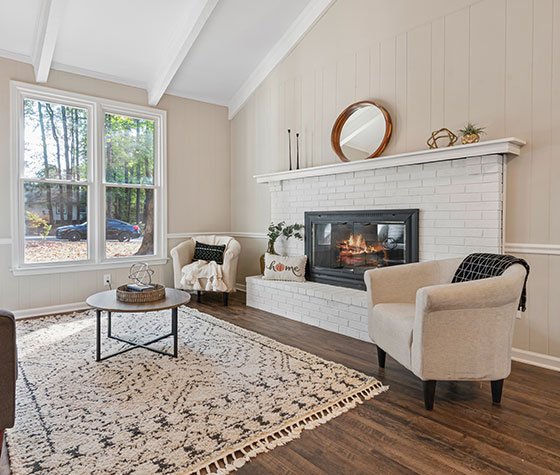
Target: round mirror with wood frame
{"type": "Point", "coordinates": [361, 131]}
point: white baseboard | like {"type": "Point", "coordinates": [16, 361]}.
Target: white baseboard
{"type": "Point", "coordinates": [536, 359]}
{"type": "Point", "coordinates": [52, 310]}
{"type": "Point", "coordinates": [241, 287]}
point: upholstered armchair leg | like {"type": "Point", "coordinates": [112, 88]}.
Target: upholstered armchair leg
{"type": "Point", "coordinates": [226, 298]}
{"type": "Point", "coordinates": [497, 387]}
{"type": "Point", "coordinates": [198, 296]}
{"type": "Point", "coordinates": [429, 388]}
{"type": "Point", "coordinates": [381, 357]}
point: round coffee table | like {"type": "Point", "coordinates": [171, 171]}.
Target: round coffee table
{"type": "Point", "coordinates": [107, 301]}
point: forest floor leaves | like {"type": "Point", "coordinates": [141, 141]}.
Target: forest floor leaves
{"type": "Point", "coordinates": [37, 251]}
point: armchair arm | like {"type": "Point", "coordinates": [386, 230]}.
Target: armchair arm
{"type": "Point", "coordinates": [182, 255]}
{"type": "Point", "coordinates": [8, 369]}
{"type": "Point", "coordinates": [465, 330]}
{"type": "Point", "coordinates": [229, 267]}
{"type": "Point", "coordinates": [484, 293]}
{"type": "Point", "coordinates": [399, 284]}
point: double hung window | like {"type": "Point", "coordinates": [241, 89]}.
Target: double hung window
{"type": "Point", "coordinates": [88, 181]}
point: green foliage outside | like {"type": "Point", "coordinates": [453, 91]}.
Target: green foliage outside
{"type": "Point", "coordinates": [129, 152]}
{"type": "Point", "coordinates": [56, 148]}
{"type": "Point", "coordinates": [40, 224]}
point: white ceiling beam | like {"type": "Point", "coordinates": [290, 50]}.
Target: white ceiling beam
{"type": "Point", "coordinates": [181, 46]}
{"type": "Point", "coordinates": [52, 12]}
{"type": "Point", "coordinates": [314, 10]}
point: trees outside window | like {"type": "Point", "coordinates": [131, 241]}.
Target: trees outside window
{"type": "Point", "coordinates": [129, 173]}
{"type": "Point", "coordinates": [55, 160]}
{"type": "Point", "coordinates": [88, 179]}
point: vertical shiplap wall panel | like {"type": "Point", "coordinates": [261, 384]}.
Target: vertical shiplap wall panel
{"type": "Point", "coordinates": [297, 104]}
{"type": "Point", "coordinates": [283, 127]}
{"type": "Point", "coordinates": [375, 74]}
{"type": "Point", "coordinates": [290, 114]}
{"type": "Point", "coordinates": [418, 87]}
{"type": "Point", "coordinates": [554, 211]}
{"type": "Point", "coordinates": [541, 136]}
{"type": "Point", "coordinates": [307, 118]}
{"type": "Point", "coordinates": [345, 81]}
{"type": "Point", "coordinates": [487, 66]}
{"type": "Point", "coordinates": [330, 112]}
{"type": "Point", "coordinates": [387, 84]}
{"type": "Point", "coordinates": [42, 291]}
{"type": "Point", "coordinates": [296, 120]}
{"type": "Point", "coordinates": [362, 74]}
{"type": "Point", "coordinates": [261, 124]}
{"type": "Point", "coordinates": [276, 126]}
{"type": "Point", "coordinates": [318, 121]}
{"type": "Point", "coordinates": [437, 64]}
{"type": "Point", "coordinates": [456, 69]}
{"type": "Point", "coordinates": [9, 290]}
{"type": "Point", "coordinates": [269, 124]}
{"type": "Point", "coordinates": [553, 306]}
{"type": "Point", "coordinates": [518, 114]}
{"type": "Point", "coordinates": [537, 302]}
{"type": "Point", "coordinates": [400, 131]}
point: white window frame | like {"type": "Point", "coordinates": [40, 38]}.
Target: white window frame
{"type": "Point", "coordinates": [96, 183]}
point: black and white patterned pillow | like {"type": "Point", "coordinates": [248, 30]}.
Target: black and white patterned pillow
{"type": "Point", "coordinates": [209, 252]}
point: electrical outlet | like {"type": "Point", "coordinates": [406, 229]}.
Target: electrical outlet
{"type": "Point", "coordinates": [107, 280]}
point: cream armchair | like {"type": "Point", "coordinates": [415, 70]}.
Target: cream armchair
{"type": "Point", "coordinates": [184, 252]}
{"type": "Point", "coordinates": [443, 331]}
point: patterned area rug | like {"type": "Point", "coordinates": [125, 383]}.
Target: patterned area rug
{"type": "Point", "coordinates": [230, 395]}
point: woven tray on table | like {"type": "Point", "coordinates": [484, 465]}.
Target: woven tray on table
{"type": "Point", "coordinates": [131, 296]}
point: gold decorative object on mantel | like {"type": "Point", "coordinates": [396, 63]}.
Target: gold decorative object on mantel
{"type": "Point", "coordinates": [441, 134]}
{"type": "Point", "coordinates": [471, 133]}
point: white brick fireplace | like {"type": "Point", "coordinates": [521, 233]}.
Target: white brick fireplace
{"type": "Point", "coordinates": [459, 192]}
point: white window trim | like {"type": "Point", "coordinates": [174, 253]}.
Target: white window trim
{"type": "Point", "coordinates": [96, 107]}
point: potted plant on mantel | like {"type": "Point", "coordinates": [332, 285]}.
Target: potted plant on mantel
{"type": "Point", "coordinates": [277, 230]}
{"type": "Point", "coordinates": [471, 133]}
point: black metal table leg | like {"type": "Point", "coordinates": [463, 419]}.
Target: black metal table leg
{"type": "Point", "coordinates": [174, 330]}
{"type": "Point", "coordinates": [132, 345]}
{"type": "Point", "coordinates": [98, 338]}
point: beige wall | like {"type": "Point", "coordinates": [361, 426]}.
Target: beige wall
{"type": "Point", "coordinates": [198, 183]}
{"type": "Point", "coordinates": [432, 63]}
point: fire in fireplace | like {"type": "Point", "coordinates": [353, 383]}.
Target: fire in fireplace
{"type": "Point", "coordinates": [342, 245]}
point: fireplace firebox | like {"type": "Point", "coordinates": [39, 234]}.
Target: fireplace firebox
{"type": "Point", "coordinates": [342, 245]}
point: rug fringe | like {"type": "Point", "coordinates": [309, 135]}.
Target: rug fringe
{"type": "Point", "coordinates": [236, 458]}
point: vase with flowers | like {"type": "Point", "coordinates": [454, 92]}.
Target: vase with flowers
{"type": "Point", "coordinates": [277, 230]}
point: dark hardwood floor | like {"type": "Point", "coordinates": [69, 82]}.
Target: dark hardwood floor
{"type": "Point", "coordinates": [393, 433]}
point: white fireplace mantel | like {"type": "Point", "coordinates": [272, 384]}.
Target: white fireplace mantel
{"type": "Point", "coordinates": [506, 146]}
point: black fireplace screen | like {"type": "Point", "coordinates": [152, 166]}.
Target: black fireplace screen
{"type": "Point", "coordinates": [342, 245]}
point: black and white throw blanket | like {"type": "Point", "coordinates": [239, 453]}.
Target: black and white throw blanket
{"type": "Point", "coordinates": [482, 266]}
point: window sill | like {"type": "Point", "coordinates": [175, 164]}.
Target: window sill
{"type": "Point", "coordinates": [57, 268]}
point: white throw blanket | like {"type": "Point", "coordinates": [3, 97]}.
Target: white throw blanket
{"type": "Point", "coordinates": [197, 270]}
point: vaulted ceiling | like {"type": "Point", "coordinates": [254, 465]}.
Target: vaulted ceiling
{"type": "Point", "coordinates": [216, 51]}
